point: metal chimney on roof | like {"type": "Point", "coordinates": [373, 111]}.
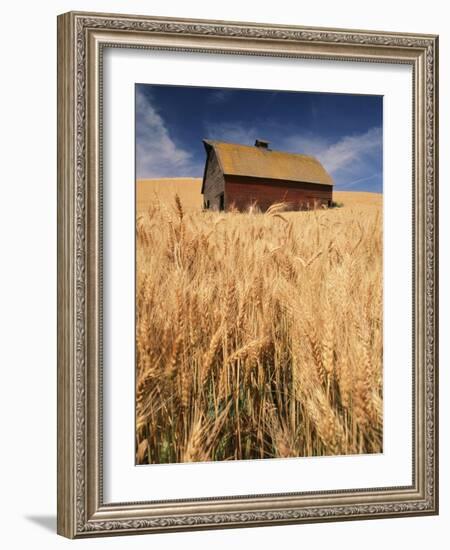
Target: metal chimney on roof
{"type": "Point", "coordinates": [262, 143]}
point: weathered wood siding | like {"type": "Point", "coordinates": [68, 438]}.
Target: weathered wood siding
{"type": "Point", "coordinates": [214, 182]}
{"type": "Point", "coordinates": [241, 192]}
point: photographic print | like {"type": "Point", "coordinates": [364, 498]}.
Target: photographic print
{"type": "Point", "coordinates": [259, 295]}
{"type": "Point", "coordinates": [247, 274]}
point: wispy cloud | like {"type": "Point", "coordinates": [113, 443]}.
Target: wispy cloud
{"type": "Point", "coordinates": [157, 154]}
{"type": "Point", "coordinates": [220, 96]}
{"type": "Point", "coordinates": [351, 184]}
{"type": "Point", "coordinates": [304, 143]}
{"type": "Point", "coordinates": [233, 132]}
{"type": "Point", "coordinates": [352, 151]}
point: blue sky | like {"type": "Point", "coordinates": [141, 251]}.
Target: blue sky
{"type": "Point", "coordinates": [343, 131]}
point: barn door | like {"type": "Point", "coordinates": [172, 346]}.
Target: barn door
{"type": "Point", "coordinates": [222, 201]}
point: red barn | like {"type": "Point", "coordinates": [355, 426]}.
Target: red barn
{"type": "Point", "coordinates": [238, 176]}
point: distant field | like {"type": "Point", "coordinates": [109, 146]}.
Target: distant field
{"type": "Point", "coordinates": [188, 189]}
{"type": "Point", "coordinates": [358, 198]}
{"type": "Point", "coordinates": [258, 335]}
{"type": "Point", "coordinates": [164, 190]}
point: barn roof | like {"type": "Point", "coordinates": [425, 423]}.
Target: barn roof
{"type": "Point", "coordinates": [259, 162]}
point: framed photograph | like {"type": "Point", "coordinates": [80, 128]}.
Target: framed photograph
{"type": "Point", "coordinates": [247, 274]}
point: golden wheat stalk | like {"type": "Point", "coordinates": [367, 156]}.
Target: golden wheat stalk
{"type": "Point", "coordinates": [254, 338]}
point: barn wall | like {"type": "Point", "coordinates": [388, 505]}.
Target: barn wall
{"type": "Point", "coordinates": [214, 182]}
{"type": "Point", "coordinates": [242, 192]}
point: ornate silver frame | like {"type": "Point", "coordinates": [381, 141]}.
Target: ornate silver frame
{"type": "Point", "coordinates": [81, 39]}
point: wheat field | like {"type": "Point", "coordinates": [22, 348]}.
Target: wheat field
{"type": "Point", "coordinates": [258, 335]}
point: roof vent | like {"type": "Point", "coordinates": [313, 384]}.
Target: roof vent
{"type": "Point", "coordinates": [262, 144]}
